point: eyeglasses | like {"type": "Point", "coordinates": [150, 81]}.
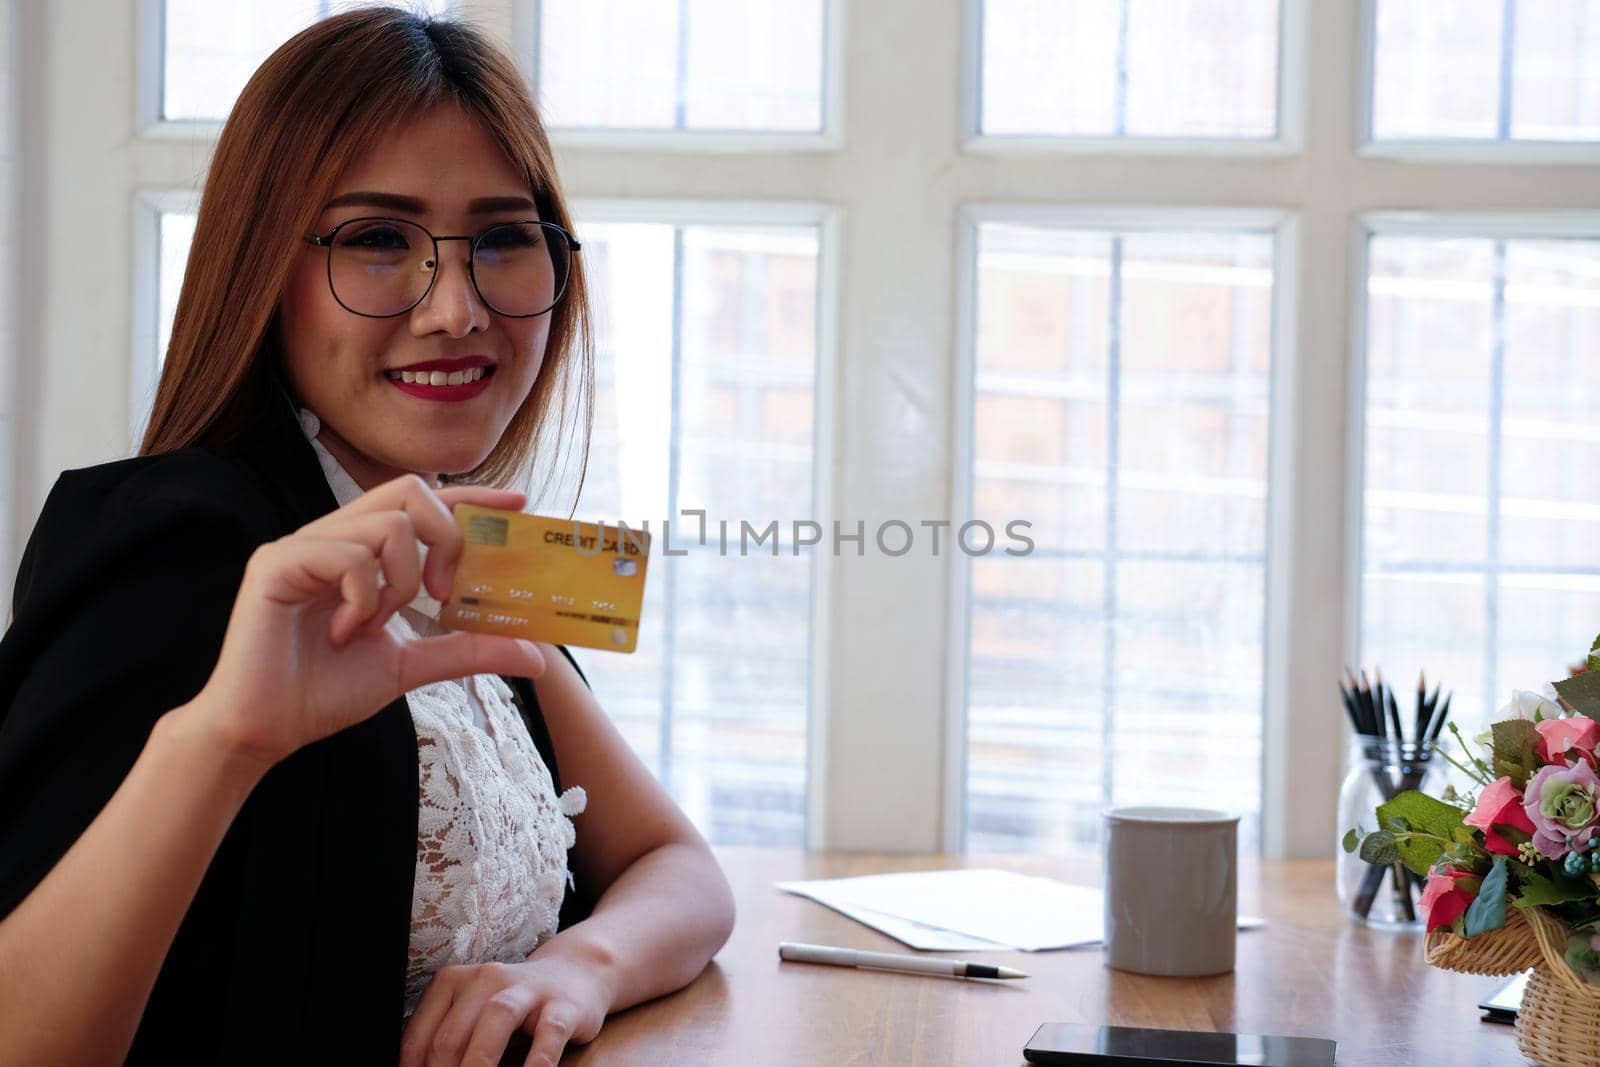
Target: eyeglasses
{"type": "Point", "coordinates": [381, 267]}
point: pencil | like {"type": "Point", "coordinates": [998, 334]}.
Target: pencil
{"type": "Point", "coordinates": [1420, 727]}
{"type": "Point", "coordinates": [1394, 717]}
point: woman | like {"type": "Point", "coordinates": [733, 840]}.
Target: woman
{"type": "Point", "coordinates": [254, 805]}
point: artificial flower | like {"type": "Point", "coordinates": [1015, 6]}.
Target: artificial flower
{"type": "Point", "coordinates": [1561, 802]}
{"type": "Point", "coordinates": [1526, 704]}
{"type": "Point", "coordinates": [1500, 804]}
{"type": "Point", "coordinates": [1443, 899]}
{"type": "Point", "coordinates": [1563, 740]}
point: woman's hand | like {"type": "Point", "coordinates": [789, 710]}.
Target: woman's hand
{"type": "Point", "coordinates": [306, 653]}
{"type": "Point", "coordinates": [468, 1014]}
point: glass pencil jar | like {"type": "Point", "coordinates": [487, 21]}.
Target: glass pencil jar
{"type": "Point", "coordinates": [1386, 897]}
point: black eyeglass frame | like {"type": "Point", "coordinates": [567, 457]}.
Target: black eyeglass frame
{"type": "Point", "coordinates": [326, 241]}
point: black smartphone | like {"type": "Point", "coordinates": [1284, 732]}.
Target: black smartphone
{"type": "Point", "coordinates": [1080, 1045]}
{"type": "Point", "coordinates": [1502, 1004]}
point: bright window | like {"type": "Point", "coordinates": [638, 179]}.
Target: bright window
{"type": "Point", "coordinates": [705, 370]}
{"type": "Point", "coordinates": [1121, 404]}
{"type": "Point", "coordinates": [1495, 70]}
{"type": "Point", "coordinates": [1130, 68]}
{"type": "Point", "coordinates": [1482, 518]}
{"type": "Point", "coordinates": [754, 65]}
{"type": "Point", "coordinates": [210, 49]}
{"type": "Point", "coordinates": [175, 234]}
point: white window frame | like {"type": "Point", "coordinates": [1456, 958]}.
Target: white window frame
{"type": "Point", "coordinates": [145, 276]}
{"type": "Point", "coordinates": [883, 738]}
{"type": "Point", "coordinates": [525, 25]}
{"type": "Point", "coordinates": [1291, 96]}
{"type": "Point", "coordinates": [1518, 151]}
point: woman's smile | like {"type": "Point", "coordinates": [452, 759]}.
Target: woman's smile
{"type": "Point", "coordinates": [443, 380]}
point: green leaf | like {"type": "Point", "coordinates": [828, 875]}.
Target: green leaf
{"type": "Point", "coordinates": [1424, 815]}
{"type": "Point", "coordinates": [1539, 891]}
{"type": "Point", "coordinates": [1488, 912]}
{"type": "Point", "coordinates": [1582, 691]}
{"type": "Point", "coordinates": [1514, 744]}
{"type": "Point", "coordinates": [1352, 838]}
{"type": "Point", "coordinates": [1379, 847]}
{"type": "Point", "coordinates": [1593, 662]}
{"type": "Point", "coordinates": [1398, 825]}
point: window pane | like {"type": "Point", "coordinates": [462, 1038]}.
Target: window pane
{"type": "Point", "coordinates": [1487, 70]}
{"type": "Point", "coordinates": [682, 64]}
{"type": "Point", "coordinates": [714, 413]}
{"type": "Point", "coordinates": [1121, 405]}
{"type": "Point", "coordinates": [1130, 68]}
{"type": "Point", "coordinates": [175, 234]}
{"type": "Point", "coordinates": [1482, 516]}
{"type": "Point", "coordinates": [706, 365]}
{"type": "Point", "coordinates": [211, 49]}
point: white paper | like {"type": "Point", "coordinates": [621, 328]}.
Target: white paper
{"type": "Point", "coordinates": [1014, 911]}
{"type": "Point", "coordinates": [915, 934]}
{"type": "Point", "coordinates": [969, 910]}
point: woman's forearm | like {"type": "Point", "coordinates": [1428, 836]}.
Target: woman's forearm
{"type": "Point", "coordinates": [656, 927]}
{"type": "Point", "coordinates": [79, 956]}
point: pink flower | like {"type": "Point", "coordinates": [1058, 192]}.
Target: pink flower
{"type": "Point", "coordinates": [1500, 805]}
{"type": "Point", "coordinates": [1563, 739]}
{"type": "Point", "coordinates": [1443, 900]}
{"type": "Point", "coordinates": [1562, 802]}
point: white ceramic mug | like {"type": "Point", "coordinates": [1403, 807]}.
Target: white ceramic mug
{"type": "Point", "coordinates": [1171, 892]}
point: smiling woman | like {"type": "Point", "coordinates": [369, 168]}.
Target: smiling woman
{"type": "Point", "coordinates": [245, 776]}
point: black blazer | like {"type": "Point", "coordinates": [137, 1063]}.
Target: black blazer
{"type": "Point", "coordinates": [295, 945]}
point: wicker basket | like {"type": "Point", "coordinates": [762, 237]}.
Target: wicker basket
{"type": "Point", "coordinates": [1509, 950]}
{"type": "Point", "coordinates": [1558, 1024]}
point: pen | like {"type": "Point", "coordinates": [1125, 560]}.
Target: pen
{"type": "Point", "coordinates": [891, 961]}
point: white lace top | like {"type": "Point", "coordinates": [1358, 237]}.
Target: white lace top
{"type": "Point", "coordinates": [492, 836]}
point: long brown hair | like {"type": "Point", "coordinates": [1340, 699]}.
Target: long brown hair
{"type": "Point", "coordinates": [312, 107]}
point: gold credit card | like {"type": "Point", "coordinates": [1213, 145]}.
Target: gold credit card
{"type": "Point", "coordinates": [544, 579]}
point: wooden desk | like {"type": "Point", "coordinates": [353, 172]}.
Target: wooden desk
{"type": "Point", "coordinates": [1309, 972]}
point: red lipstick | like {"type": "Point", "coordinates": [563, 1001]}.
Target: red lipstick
{"type": "Point", "coordinates": [426, 383]}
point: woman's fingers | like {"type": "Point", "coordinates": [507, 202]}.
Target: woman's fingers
{"type": "Point", "coordinates": [500, 1017]}
{"type": "Point", "coordinates": [442, 556]}
{"type": "Point", "coordinates": [432, 1009]}
{"type": "Point", "coordinates": [550, 1037]}
{"type": "Point", "coordinates": [456, 655]}
{"type": "Point", "coordinates": [358, 592]}
{"type": "Point", "coordinates": [429, 513]}
{"type": "Point", "coordinates": [298, 571]}
{"type": "Point", "coordinates": [447, 1045]}
{"type": "Point", "coordinates": [392, 537]}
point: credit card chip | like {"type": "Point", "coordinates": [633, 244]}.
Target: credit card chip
{"type": "Point", "coordinates": [490, 530]}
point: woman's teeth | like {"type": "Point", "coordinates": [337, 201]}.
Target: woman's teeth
{"type": "Point", "coordinates": [438, 377]}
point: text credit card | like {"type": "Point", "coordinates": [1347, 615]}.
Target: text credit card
{"type": "Point", "coordinates": [544, 579]}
